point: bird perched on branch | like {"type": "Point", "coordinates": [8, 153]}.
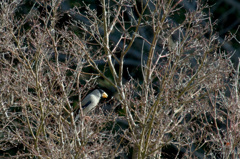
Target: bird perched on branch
{"type": "Point", "coordinates": [91, 101]}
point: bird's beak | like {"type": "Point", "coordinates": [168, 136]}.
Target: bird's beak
{"type": "Point", "coordinates": [104, 95]}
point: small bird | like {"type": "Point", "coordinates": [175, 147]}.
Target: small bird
{"type": "Point", "coordinates": [91, 101]}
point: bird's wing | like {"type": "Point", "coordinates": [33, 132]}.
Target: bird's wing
{"type": "Point", "coordinates": [87, 104]}
{"type": "Point", "coordinates": [77, 112]}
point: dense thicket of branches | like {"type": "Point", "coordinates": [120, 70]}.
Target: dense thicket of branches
{"type": "Point", "coordinates": [176, 93]}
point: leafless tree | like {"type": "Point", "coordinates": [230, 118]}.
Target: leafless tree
{"type": "Point", "coordinates": [186, 94]}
